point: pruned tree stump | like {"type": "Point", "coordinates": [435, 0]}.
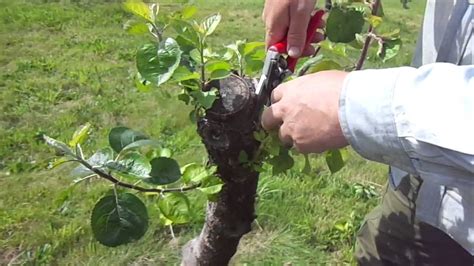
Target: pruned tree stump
{"type": "Point", "coordinates": [227, 130]}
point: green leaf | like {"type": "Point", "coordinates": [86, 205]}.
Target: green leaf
{"type": "Point", "coordinates": [237, 47]}
{"type": "Point", "coordinates": [182, 73]}
{"type": "Point", "coordinates": [154, 9]}
{"type": "Point", "coordinates": [132, 165]}
{"type": "Point", "coordinates": [254, 62]}
{"type": "Point", "coordinates": [380, 11]}
{"type": "Point", "coordinates": [157, 64]}
{"type": "Point", "coordinates": [196, 56]}
{"type": "Point", "coordinates": [375, 21]}
{"type": "Point", "coordinates": [187, 32]}
{"type": "Point", "coordinates": [164, 171]}
{"type": "Point", "coordinates": [211, 187]}
{"type": "Point", "coordinates": [228, 55]}
{"type": "Point", "coordinates": [191, 84]}
{"type": "Point", "coordinates": [271, 144]}
{"type": "Point", "coordinates": [209, 24]}
{"type": "Point", "coordinates": [118, 220]}
{"type": "Point", "coordinates": [120, 137]}
{"type": "Point", "coordinates": [250, 47]}
{"type": "Point", "coordinates": [188, 12]}
{"type": "Point", "coordinates": [218, 69]}
{"type": "Point", "coordinates": [342, 24]}
{"type": "Point", "coordinates": [282, 162]}
{"type": "Point", "coordinates": [98, 159]}
{"type": "Point", "coordinates": [165, 152]}
{"type": "Point", "coordinates": [310, 62]}
{"type": "Point", "coordinates": [142, 84]}
{"type": "Point", "coordinates": [59, 146]}
{"type": "Point", "coordinates": [388, 49]}
{"type": "Point", "coordinates": [205, 98]}
{"type": "Point", "coordinates": [136, 28]}
{"type": "Point", "coordinates": [139, 9]}
{"type": "Point", "coordinates": [184, 96]}
{"type": "Point", "coordinates": [140, 144]}
{"type": "Point", "coordinates": [196, 173]}
{"type": "Point", "coordinates": [260, 135]}
{"type": "Point", "coordinates": [340, 49]}
{"type": "Point", "coordinates": [211, 190]}
{"type": "Point", "coordinates": [324, 65]}
{"type": "Point", "coordinates": [80, 135]}
{"type": "Point", "coordinates": [392, 35]}
{"type": "Point", "coordinates": [175, 207]}
{"type": "Point", "coordinates": [334, 160]}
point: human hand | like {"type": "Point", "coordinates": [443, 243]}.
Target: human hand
{"type": "Point", "coordinates": [305, 112]}
{"type": "Point", "coordinates": [289, 18]}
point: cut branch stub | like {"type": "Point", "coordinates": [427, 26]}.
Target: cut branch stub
{"type": "Point", "coordinates": [234, 94]}
{"type": "Point", "coordinates": [227, 130]}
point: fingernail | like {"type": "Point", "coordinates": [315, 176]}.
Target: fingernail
{"type": "Point", "coordinates": [294, 52]}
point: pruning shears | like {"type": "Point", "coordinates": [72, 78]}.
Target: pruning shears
{"type": "Point", "coordinates": [278, 66]}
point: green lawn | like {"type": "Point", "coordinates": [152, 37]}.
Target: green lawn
{"type": "Point", "coordinates": [65, 64]}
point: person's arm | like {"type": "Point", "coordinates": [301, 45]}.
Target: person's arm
{"type": "Point", "coordinates": [420, 120]}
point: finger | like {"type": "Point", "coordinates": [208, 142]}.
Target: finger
{"type": "Point", "coordinates": [277, 93]}
{"type": "Point", "coordinates": [285, 136]}
{"type": "Point", "coordinates": [272, 117]}
{"type": "Point", "coordinates": [300, 13]}
{"type": "Point", "coordinates": [308, 51]}
{"type": "Point", "coordinates": [276, 23]}
{"type": "Point", "coordinates": [318, 37]}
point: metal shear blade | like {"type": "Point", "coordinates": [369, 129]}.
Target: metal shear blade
{"type": "Point", "coordinates": [273, 73]}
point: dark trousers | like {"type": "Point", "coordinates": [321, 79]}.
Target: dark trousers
{"type": "Point", "coordinates": [391, 235]}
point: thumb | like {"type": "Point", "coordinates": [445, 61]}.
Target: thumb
{"type": "Point", "coordinates": [300, 15]}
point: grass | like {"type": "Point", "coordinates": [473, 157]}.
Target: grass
{"type": "Point", "coordinates": [65, 64]}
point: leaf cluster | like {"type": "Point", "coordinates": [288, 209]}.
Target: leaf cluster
{"type": "Point", "coordinates": [346, 23]}
{"type": "Point", "coordinates": [184, 57]}
{"type": "Point", "coordinates": [134, 161]}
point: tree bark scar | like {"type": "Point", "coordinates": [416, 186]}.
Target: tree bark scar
{"type": "Point", "coordinates": [226, 131]}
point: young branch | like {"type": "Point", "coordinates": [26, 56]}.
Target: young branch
{"type": "Point", "coordinates": [203, 65]}
{"type": "Point", "coordinates": [157, 33]}
{"type": "Point", "coordinates": [117, 182]}
{"type": "Point", "coordinates": [368, 40]}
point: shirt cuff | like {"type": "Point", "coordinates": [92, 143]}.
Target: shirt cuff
{"type": "Point", "coordinates": [367, 117]}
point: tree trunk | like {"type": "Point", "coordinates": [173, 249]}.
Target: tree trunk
{"type": "Point", "coordinates": [227, 130]}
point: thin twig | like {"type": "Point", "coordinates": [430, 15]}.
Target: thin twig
{"type": "Point", "coordinates": [172, 231]}
{"type": "Point", "coordinates": [203, 65]}
{"type": "Point", "coordinates": [368, 40]}
{"type": "Point", "coordinates": [79, 180]}
{"type": "Point", "coordinates": [131, 186]}
{"type": "Point", "coordinates": [157, 32]}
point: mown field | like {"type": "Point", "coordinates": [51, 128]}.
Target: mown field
{"type": "Point", "coordinates": [66, 63]}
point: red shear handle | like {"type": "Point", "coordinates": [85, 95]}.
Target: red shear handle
{"type": "Point", "coordinates": [282, 47]}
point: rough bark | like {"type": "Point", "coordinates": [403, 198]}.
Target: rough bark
{"type": "Point", "coordinates": [226, 130]}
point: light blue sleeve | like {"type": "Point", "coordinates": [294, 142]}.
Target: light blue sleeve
{"type": "Point", "coordinates": [419, 120]}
